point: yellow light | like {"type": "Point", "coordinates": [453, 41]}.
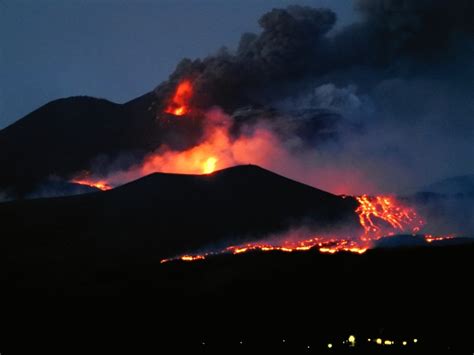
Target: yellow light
{"type": "Point", "coordinates": [378, 341]}
{"type": "Point", "coordinates": [369, 339]}
{"type": "Point", "coordinates": [387, 342]}
{"type": "Point", "coordinates": [352, 339]}
{"type": "Point", "coordinates": [329, 346]}
{"type": "Point", "coordinates": [415, 341]}
{"type": "Point", "coordinates": [404, 343]}
{"type": "Point", "coordinates": [209, 165]}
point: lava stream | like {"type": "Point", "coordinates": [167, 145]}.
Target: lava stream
{"type": "Point", "coordinates": [325, 245]}
{"type": "Point", "coordinates": [383, 215]}
{"type": "Point", "coordinates": [379, 216]}
{"type": "Point", "coordinates": [431, 238]}
{"type": "Point", "coordinates": [100, 184]}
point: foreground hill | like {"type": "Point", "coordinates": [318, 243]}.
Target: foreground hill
{"type": "Point", "coordinates": [162, 215]}
{"type": "Point", "coordinates": [239, 304]}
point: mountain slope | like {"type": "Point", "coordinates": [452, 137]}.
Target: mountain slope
{"type": "Point", "coordinates": [68, 135]}
{"type": "Point", "coordinates": [162, 215]}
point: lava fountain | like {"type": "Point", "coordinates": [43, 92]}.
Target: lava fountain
{"type": "Point", "coordinates": [180, 102]}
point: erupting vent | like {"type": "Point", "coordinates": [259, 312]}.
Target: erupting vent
{"type": "Point", "coordinates": [179, 105]}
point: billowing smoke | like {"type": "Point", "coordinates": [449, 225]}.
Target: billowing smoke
{"type": "Point", "coordinates": [417, 26]}
{"type": "Point", "coordinates": [294, 44]}
{"type": "Point", "coordinates": [290, 41]}
{"type": "Point", "coordinates": [402, 78]}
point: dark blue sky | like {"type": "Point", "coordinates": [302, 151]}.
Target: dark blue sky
{"type": "Point", "coordinates": [114, 49]}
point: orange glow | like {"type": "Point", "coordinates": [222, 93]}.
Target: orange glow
{"type": "Point", "coordinates": [204, 158]}
{"type": "Point", "coordinates": [100, 184]}
{"type": "Point", "coordinates": [219, 149]}
{"type": "Point", "coordinates": [179, 105]}
{"type": "Point", "coordinates": [209, 165]}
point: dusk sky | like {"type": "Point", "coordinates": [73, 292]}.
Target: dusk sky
{"type": "Point", "coordinates": [114, 49]}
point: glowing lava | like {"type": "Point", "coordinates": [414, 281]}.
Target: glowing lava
{"type": "Point", "coordinates": [430, 238]}
{"type": "Point", "coordinates": [209, 165]}
{"type": "Point", "coordinates": [379, 216]}
{"type": "Point", "coordinates": [191, 257]}
{"type": "Point", "coordinates": [323, 244]}
{"type": "Point", "coordinates": [179, 105]}
{"type": "Point", "coordinates": [395, 217]}
{"type": "Point", "coordinates": [101, 184]}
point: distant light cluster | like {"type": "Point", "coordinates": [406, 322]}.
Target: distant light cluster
{"type": "Point", "coordinates": [349, 342]}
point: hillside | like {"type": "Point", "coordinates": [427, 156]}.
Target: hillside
{"type": "Point", "coordinates": [159, 216]}
{"type": "Point", "coordinates": [70, 135]}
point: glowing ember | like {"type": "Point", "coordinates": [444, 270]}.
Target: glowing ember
{"type": "Point", "coordinates": [101, 184]}
{"type": "Point", "coordinates": [179, 105]}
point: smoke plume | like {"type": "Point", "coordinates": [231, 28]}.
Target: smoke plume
{"type": "Point", "coordinates": [401, 79]}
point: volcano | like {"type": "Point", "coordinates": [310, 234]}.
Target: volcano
{"type": "Point", "coordinates": [162, 215]}
{"type": "Point", "coordinates": [70, 135]}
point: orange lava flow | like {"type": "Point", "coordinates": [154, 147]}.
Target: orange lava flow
{"type": "Point", "coordinates": [430, 238]}
{"type": "Point", "coordinates": [179, 105]}
{"type": "Point", "coordinates": [379, 216]}
{"type": "Point", "coordinates": [323, 244]}
{"type": "Point", "coordinates": [101, 184]}
{"type": "Point", "coordinates": [394, 217]}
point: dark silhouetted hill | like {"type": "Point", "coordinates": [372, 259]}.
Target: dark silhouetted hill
{"type": "Point", "coordinates": [73, 134]}
{"type": "Point", "coordinates": [162, 215]}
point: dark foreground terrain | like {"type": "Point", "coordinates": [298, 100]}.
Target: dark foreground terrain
{"type": "Point", "coordinates": [156, 217]}
{"type": "Point", "coordinates": [82, 275]}
{"type": "Point", "coordinates": [271, 302]}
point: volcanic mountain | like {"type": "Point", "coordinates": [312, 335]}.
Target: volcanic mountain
{"type": "Point", "coordinates": [51, 146]}
{"type": "Point", "coordinates": [160, 216]}
{"type": "Point", "coordinates": [73, 134]}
